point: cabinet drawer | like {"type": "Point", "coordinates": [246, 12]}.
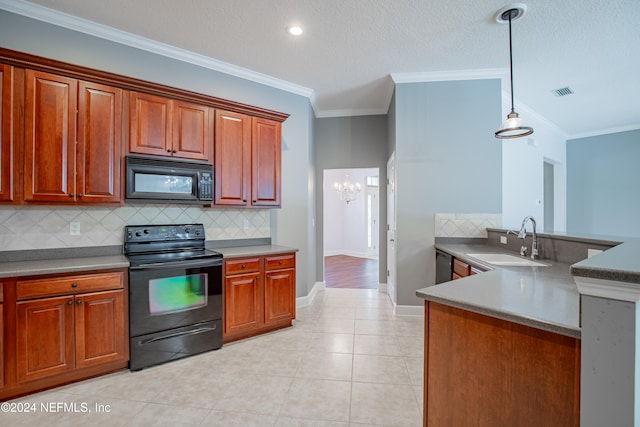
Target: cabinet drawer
{"type": "Point", "coordinates": [1, 293]}
{"type": "Point", "coordinates": [460, 268]}
{"type": "Point", "coordinates": [35, 288]}
{"type": "Point", "coordinates": [279, 261]}
{"type": "Point", "coordinates": [242, 265]}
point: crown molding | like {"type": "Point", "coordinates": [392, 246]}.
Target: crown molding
{"type": "Point", "coordinates": [619, 129]}
{"type": "Point", "coordinates": [441, 76]}
{"type": "Point", "coordinates": [95, 29]}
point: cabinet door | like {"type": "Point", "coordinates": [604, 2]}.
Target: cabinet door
{"type": "Point", "coordinates": [100, 328]}
{"type": "Point", "coordinates": [98, 150]}
{"type": "Point", "coordinates": [149, 124]}
{"type": "Point", "coordinates": [232, 158]}
{"type": "Point", "coordinates": [50, 137]}
{"type": "Point", "coordinates": [192, 131]}
{"type": "Point", "coordinates": [279, 296]}
{"type": "Point", "coordinates": [266, 163]}
{"type": "Point", "coordinates": [242, 303]}
{"type": "Point", "coordinates": [44, 337]}
{"type": "Point", "coordinates": [6, 138]}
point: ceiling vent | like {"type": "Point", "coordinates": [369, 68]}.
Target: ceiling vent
{"type": "Point", "coordinates": [563, 91]}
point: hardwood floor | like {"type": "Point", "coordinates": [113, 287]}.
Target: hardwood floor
{"type": "Point", "coordinates": [342, 271]}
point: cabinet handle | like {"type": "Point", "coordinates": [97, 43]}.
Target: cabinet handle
{"type": "Point", "coordinates": [244, 265]}
{"type": "Point", "coordinates": [280, 262]}
{"type": "Point", "coordinates": [174, 151]}
{"type": "Point", "coordinates": [268, 276]}
{"type": "Point", "coordinates": [244, 200]}
{"type": "Point", "coordinates": [69, 302]}
{"type": "Point", "coordinates": [168, 150]}
{"type": "Point", "coordinates": [79, 302]}
{"type": "Point", "coordinates": [70, 194]}
{"type": "Point", "coordinates": [257, 277]}
{"type": "Point", "coordinates": [80, 195]}
{"type": "Point", "coordinates": [74, 285]}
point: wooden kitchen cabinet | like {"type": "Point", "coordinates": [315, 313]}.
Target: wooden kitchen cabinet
{"type": "Point", "coordinates": [71, 157]}
{"type": "Point", "coordinates": [166, 127]}
{"type": "Point", "coordinates": [1, 337]}
{"type": "Point", "coordinates": [248, 152]}
{"type": "Point", "coordinates": [66, 328]}
{"type": "Point", "coordinates": [484, 371]}
{"type": "Point", "coordinates": [7, 145]}
{"type": "Point", "coordinates": [463, 269]}
{"type": "Point", "coordinates": [259, 295]}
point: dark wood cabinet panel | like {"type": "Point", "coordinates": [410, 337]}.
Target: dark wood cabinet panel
{"type": "Point", "coordinates": [44, 334]}
{"type": "Point", "coordinates": [279, 296]}
{"type": "Point", "coordinates": [50, 136]}
{"type": "Point", "coordinates": [100, 332]}
{"type": "Point", "coordinates": [98, 152]}
{"type": "Point", "coordinates": [484, 371]}
{"type": "Point", "coordinates": [232, 158]}
{"type": "Point", "coordinates": [149, 124]}
{"type": "Point", "coordinates": [259, 295]}
{"type": "Point", "coordinates": [243, 294]}
{"type": "Point", "coordinates": [266, 163]}
{"type": "Point", "coordinates": [192, 131]}
{"type": "Point", "coordinates": [6, 136]}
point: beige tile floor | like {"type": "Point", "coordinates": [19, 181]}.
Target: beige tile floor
{"type": "Point", "coordinates": [348, 361]}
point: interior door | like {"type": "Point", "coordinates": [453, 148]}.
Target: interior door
{"type": "Point", "coordinates": [391, 227]}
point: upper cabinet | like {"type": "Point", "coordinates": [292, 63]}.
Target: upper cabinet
{"type": "Point", "coordinates": [165, 127]}
{"type": "Point", "coordinates": [247, 160]}
{"type": "Point", "coordinates": [6, 137]}
{"type": "Point", "coordinates": [72, 140]}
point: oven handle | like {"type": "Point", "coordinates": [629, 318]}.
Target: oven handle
{"type": "Point", "coordinates": [178, 334]}
{"type": "Point", "coordinates": [179, 264]}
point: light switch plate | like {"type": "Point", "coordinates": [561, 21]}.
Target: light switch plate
{"type": "Point", "coordinates": [503, 240]}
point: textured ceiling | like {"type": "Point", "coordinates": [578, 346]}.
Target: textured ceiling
{"type": "Point", "coordinates": [350, 48]}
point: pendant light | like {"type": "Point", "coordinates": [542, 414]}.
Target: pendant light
{"type": "Point", "coordinates": [514, 126]}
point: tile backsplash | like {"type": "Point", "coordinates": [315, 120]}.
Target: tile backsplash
{"type": "Point", "coordinates": [47, 227]}
{"type": "Point", "coordinates": [465, 225]}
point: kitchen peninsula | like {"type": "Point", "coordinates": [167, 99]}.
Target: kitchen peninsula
{"type": "Point", "coordinates": [505, 347]}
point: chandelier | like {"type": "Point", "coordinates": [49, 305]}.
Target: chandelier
{"type": "Point", "coordinates": [347, 191]}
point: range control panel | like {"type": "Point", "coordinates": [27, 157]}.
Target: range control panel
{"type": "Point", "coordinates": [163, 233]}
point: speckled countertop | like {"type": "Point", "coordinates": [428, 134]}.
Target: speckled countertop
{"type": "Point", "coordinates": [542, 297]}
{"type": "Point", "coordinates": [244, 251]}
{"type": "Point", "coordinates": [621, 264]}
{"type": "Point", "coordinates": [73, 264]}
{"type": "Point", "coordinates": [65, 265]}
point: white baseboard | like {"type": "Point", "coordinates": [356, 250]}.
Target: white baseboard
{"type": "Point", "coordinates": [382, 288]}
{"type": "Point", "coordinates": [308, 299]}
{"type": "Point", "coordinates": [408, 310]}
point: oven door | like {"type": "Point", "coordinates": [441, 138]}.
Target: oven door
{"type": "Point", "coordinates": [172, 295]}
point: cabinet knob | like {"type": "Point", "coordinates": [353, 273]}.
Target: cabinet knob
{"type": "Point", "coordinates": [257, 277]}
{"type": "Point", "coordinates": [80, 195]}
{"type": "Point", "coordinates": [74, 285]}
{"type": "Point", "coordinates": [174, 151]}
{"type": "Point", "coordinates": [70, 194]}
{"type": "Point", "coordinates": [79, 302]}
{"type": "Point", "coordinates": [168, 150]}
{"type": "Point", "coordinates": [268, 276]}
{"type": "Point", "coordinates": [69, 302]}
{"type": "Point", "coordinates": [244, 265]}
{"type": "Point", "coordinates": [280, 262]}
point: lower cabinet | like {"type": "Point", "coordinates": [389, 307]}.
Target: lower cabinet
{"type": "Point", "coordinates": [259, 295]}
{"type": "Point", "coordinates": [67, 328]}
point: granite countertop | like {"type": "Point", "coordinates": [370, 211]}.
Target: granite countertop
{"type": "Point", "coordinates": [542, 297]}
{"type": "Point", "coordinates": [64, 265]}
{"type": "Point", "coordinates": [244, 251]}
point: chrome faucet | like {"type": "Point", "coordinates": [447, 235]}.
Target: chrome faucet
{"type": "Point", "coordinates": [522, 234]}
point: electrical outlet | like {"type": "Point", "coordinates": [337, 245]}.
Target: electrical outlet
{"type": "Point", "coordinates": [245, 224]}
{"type": "Point", "coordinates": [503, 240]}
{"type": "Point", "coordinates": [74, 228]}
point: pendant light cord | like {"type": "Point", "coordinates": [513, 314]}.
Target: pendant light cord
{"type": "Point", "coordinates": [511, 62]}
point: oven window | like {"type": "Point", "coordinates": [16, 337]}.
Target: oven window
{"type": "Point", "coordinates": [175, 294]}
{"type": "Point", "coordinates": [152, 183]}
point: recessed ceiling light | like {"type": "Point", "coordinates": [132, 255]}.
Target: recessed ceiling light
{"type": "Point", "coordinates": [294, 30]}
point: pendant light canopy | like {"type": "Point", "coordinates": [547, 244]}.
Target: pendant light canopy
{"type": "Point", "coordinates": [513, 126]}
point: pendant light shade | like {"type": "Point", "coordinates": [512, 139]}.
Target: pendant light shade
{"type": "Point", "coordinates": [513, 126]}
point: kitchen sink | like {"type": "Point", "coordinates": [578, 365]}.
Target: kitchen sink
{"type": "Point", "coordinates": [507, 260]}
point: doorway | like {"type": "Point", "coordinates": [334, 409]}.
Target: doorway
{"type": "Point", "coordinates": [350, 224]}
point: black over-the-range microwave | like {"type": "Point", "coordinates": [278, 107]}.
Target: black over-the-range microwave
{"type": "Point", "coordinates": [168, 180]}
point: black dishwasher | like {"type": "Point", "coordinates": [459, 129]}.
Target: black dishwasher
{"type": "Point", "coordinates": [444, 267]}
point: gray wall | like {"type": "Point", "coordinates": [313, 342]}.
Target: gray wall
{"type": "Point", "coordinates": [447, 161]}
{"type": "Point", "coordinates": [351, 142]}
{"type": "Point", "coordinates": [290, 225]}
{"type": "Point", "coordinates": [603, 178]}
